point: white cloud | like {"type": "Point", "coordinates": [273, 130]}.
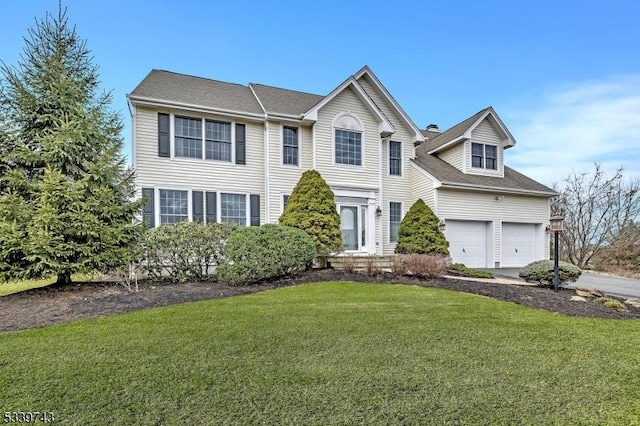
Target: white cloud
{"type": "Point", "coordinates": [596, 121]}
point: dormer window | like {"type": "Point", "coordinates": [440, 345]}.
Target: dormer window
{"type": "Point", "coordinates": [484, 156]}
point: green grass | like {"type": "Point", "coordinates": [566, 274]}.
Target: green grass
{"type": "Point", "coordinates": [24, 285]}
{"type": "Point", "coordinates": [18, 286]}
{"type": "Point", "coordinates": [329, 353]}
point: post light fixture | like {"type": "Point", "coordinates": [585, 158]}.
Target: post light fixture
{"type": "Point", "coordinates": [556, 226]}
{"type": "Point", "coordinates": [378, 211]}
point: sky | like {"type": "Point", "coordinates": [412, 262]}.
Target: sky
{"type": "Point", "coordinates": [563, 75]}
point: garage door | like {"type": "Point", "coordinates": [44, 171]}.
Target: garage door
{"type": "Point", "coordinates": [518, 244]}
{"type": "Point", "coordinates": [467, 242]}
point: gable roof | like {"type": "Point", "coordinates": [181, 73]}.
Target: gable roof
{"type": "Point", "coordinates": [385, 94]}
{"type": "Point", "coordinates": [463, 130]}
{"type": "Point", "coordinates": [185, 90]}
{"type": "Point", "coordinates": [384, 125]}
{"type": "Point", "coordinates": [449, 176]}
{"type": "Point", "coordinates": [284, 101]}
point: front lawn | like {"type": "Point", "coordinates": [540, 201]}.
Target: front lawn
{"type": "Point", "coordinates": [329, 353]}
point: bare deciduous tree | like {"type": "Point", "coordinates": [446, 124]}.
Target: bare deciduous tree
{"type": "Point", "coordinates": [596, 207]}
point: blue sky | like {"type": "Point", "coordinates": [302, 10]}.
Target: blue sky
{"type": "Point", "coordinates": [563, 75]}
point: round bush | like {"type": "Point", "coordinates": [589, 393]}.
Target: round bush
{"type": "Point", "coordinates": [542, 272]}
{"type": "Point", "coordinates": [269, 251]}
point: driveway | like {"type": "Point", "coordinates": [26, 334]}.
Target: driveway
{"type": "Point", "coordinates": [615, 286]}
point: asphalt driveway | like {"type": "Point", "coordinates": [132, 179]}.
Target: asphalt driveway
{"type": "Point", "coordinates": [615, 286]}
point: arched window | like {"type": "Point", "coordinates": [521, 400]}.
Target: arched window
{"type": "Point", "coordinates": [348, 139]}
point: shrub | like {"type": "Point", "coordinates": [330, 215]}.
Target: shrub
{"type": "Point", "coordinates": [611, 303]}
{"type": "Point", "coordinates": [419, 232]}
{"type": "Point", "coordinates": [348, 264]}
{"type": "Point", "coordinates": [312, 208]}
{"type": "Point", "coordinates": [463, 271]}
{"type": "Point", "coordinates": [185, 251]}
{"type": "Point", "coordinates": [399, 265]}
{"type": "Point", "coordinates": [269, 251]}
{"type": "Point", "coordinates": [426, 265]}
{"type": "Point", "coordinates": [542, 272]}
{"type": "Point", "coordinates": [372, 266]}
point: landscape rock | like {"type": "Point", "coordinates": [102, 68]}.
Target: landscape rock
{"type": "Point", "coordinates": [633, 302]}
{"type": "Point", "coordinates": [583, 293]}
{"type": "Point", "coordinates": [578, 299]}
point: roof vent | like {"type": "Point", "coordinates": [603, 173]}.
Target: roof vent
{"type": "Point", "coordinates": [432, 128]}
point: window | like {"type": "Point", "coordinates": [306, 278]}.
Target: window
{"type": "Point", "coordinates": [188, 137]}
{"type": "Point", "coordinates": [484, 156]}
{"type": "Point", "coordinates": [285, 201]}
{"type": "Point", "coordinates": [290, 145]}
{"type": "Point", "coordinates": [217, 141]}
{"type": "Point", "coordinates": [174, 206]}
{"type": "Point", "coordinates": [395, 217]}
{"type": "Point", "coordinates": [395, 158]}
{"type": "Point", "coordinates": [348, 147]}
{"type": "Point", "coordinates": [233, 208]}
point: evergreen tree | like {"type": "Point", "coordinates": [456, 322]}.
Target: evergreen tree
{"type": "Point", "coordinates": [65, 190]}
{"type": "Point", "coordinates": [419, 232]}
{"type": "Point", "coordinates": [312, 208]}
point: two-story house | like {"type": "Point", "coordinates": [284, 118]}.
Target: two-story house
{"type": "Point", "coordinates": [214, 151]}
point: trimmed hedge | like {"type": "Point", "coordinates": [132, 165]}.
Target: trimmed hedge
{"type": "Point", "coordinates": [185, 251]}
{"type": "Point", "coordinates": [542, 272]}
{"type": "Point", "coordinates": [463, 271]}
{"type": "Point", "coordinates": [269, 251]}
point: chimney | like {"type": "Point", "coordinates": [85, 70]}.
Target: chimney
{"type": "Point", "coordinates": [433, 128]}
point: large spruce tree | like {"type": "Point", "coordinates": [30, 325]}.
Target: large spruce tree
{"type": "Point", "coordinates": [65, 191]}
{"type": "Point", "coordinates": [312, 208]}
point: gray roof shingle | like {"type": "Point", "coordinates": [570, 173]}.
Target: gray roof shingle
{"type": "Point", "coordinates": [284, 101]}
{"type": "Point", "coordinates": [198, 91]}
{"type": "Point", "coordinates": [447, 174]}
{"type": "Point", "coordinates": [456, 131]}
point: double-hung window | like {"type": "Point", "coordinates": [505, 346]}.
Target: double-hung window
{"type": "Point", "coordinates": [348, 147]}
{"type": "Point", "coordinates": [188, 137]}
{"type": "Point", "coordinates": [395, 158]}
{"type": "Point", "coordinates": [290, 145]}
{"type": "Point", "coordinates": [395, 217]}
{"type": "Point", "coordinates": [484, 156]}
{"type": "Point", "coordinates": [217, 140]}
{"type": "Point", "coordinates": [174, 206]}
{"type": "Point", "coordinates": [233, 208]}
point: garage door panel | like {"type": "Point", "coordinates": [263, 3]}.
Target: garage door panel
{"type": "Point", "coordinates": [467, 242]}
{"type": "Point", "coordinates": [518, 244]}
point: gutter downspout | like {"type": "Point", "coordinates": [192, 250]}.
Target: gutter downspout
{"type": "Point", "coordinates": [382, 206]}
{"type": "Point", "coordinates": [267, 179]}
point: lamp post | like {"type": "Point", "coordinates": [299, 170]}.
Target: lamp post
{"type": "Point", "coordinates": [555, 224]}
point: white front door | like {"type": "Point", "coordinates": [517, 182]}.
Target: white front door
{"type": "Point", "coordinates": [353, 224]}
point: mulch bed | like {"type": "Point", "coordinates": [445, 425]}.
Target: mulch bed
{"type": "Point", "coordinates": [56, 305]}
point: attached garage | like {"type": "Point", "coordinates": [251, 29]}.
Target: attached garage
{"type": "Point", "coordinates": [468, 242]}
{"type": "Point", "coordinates": [518, 244]}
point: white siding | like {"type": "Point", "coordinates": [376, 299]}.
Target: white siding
{"type": "Point", "coordinates": [483, 206]}
{"type": "Point", "coordinates": [196, 174]}
{"type": "Point", "coordinates": [484, 133]}
{"type": "Point", "coordinates": [394, 188]}
{"type": "Point", "coordinates": [453, 156]}
{"type": "Point", "coordinates": [283, 178]}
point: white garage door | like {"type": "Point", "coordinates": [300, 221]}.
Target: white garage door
{"type": "Point", "coordinates": [467, 242]}
{"type": "Point", "coordinates": [518, 244]}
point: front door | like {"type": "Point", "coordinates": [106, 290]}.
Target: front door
{"type": "Point", "coordinates": [349, 227]}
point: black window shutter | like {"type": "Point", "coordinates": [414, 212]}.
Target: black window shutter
{"type": "Point", "coordinates": [211, 207]}
{"type": "Point", "coordinates": [240, 144]}
{"type": "Point", "coordinates": [255, 210]}
{"type": "Point", "coordinates": [164, 144]}
{"type": "Point", "coordinates": [147, 212]}
{"type": "Point", "coordinates": [196, 201]}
